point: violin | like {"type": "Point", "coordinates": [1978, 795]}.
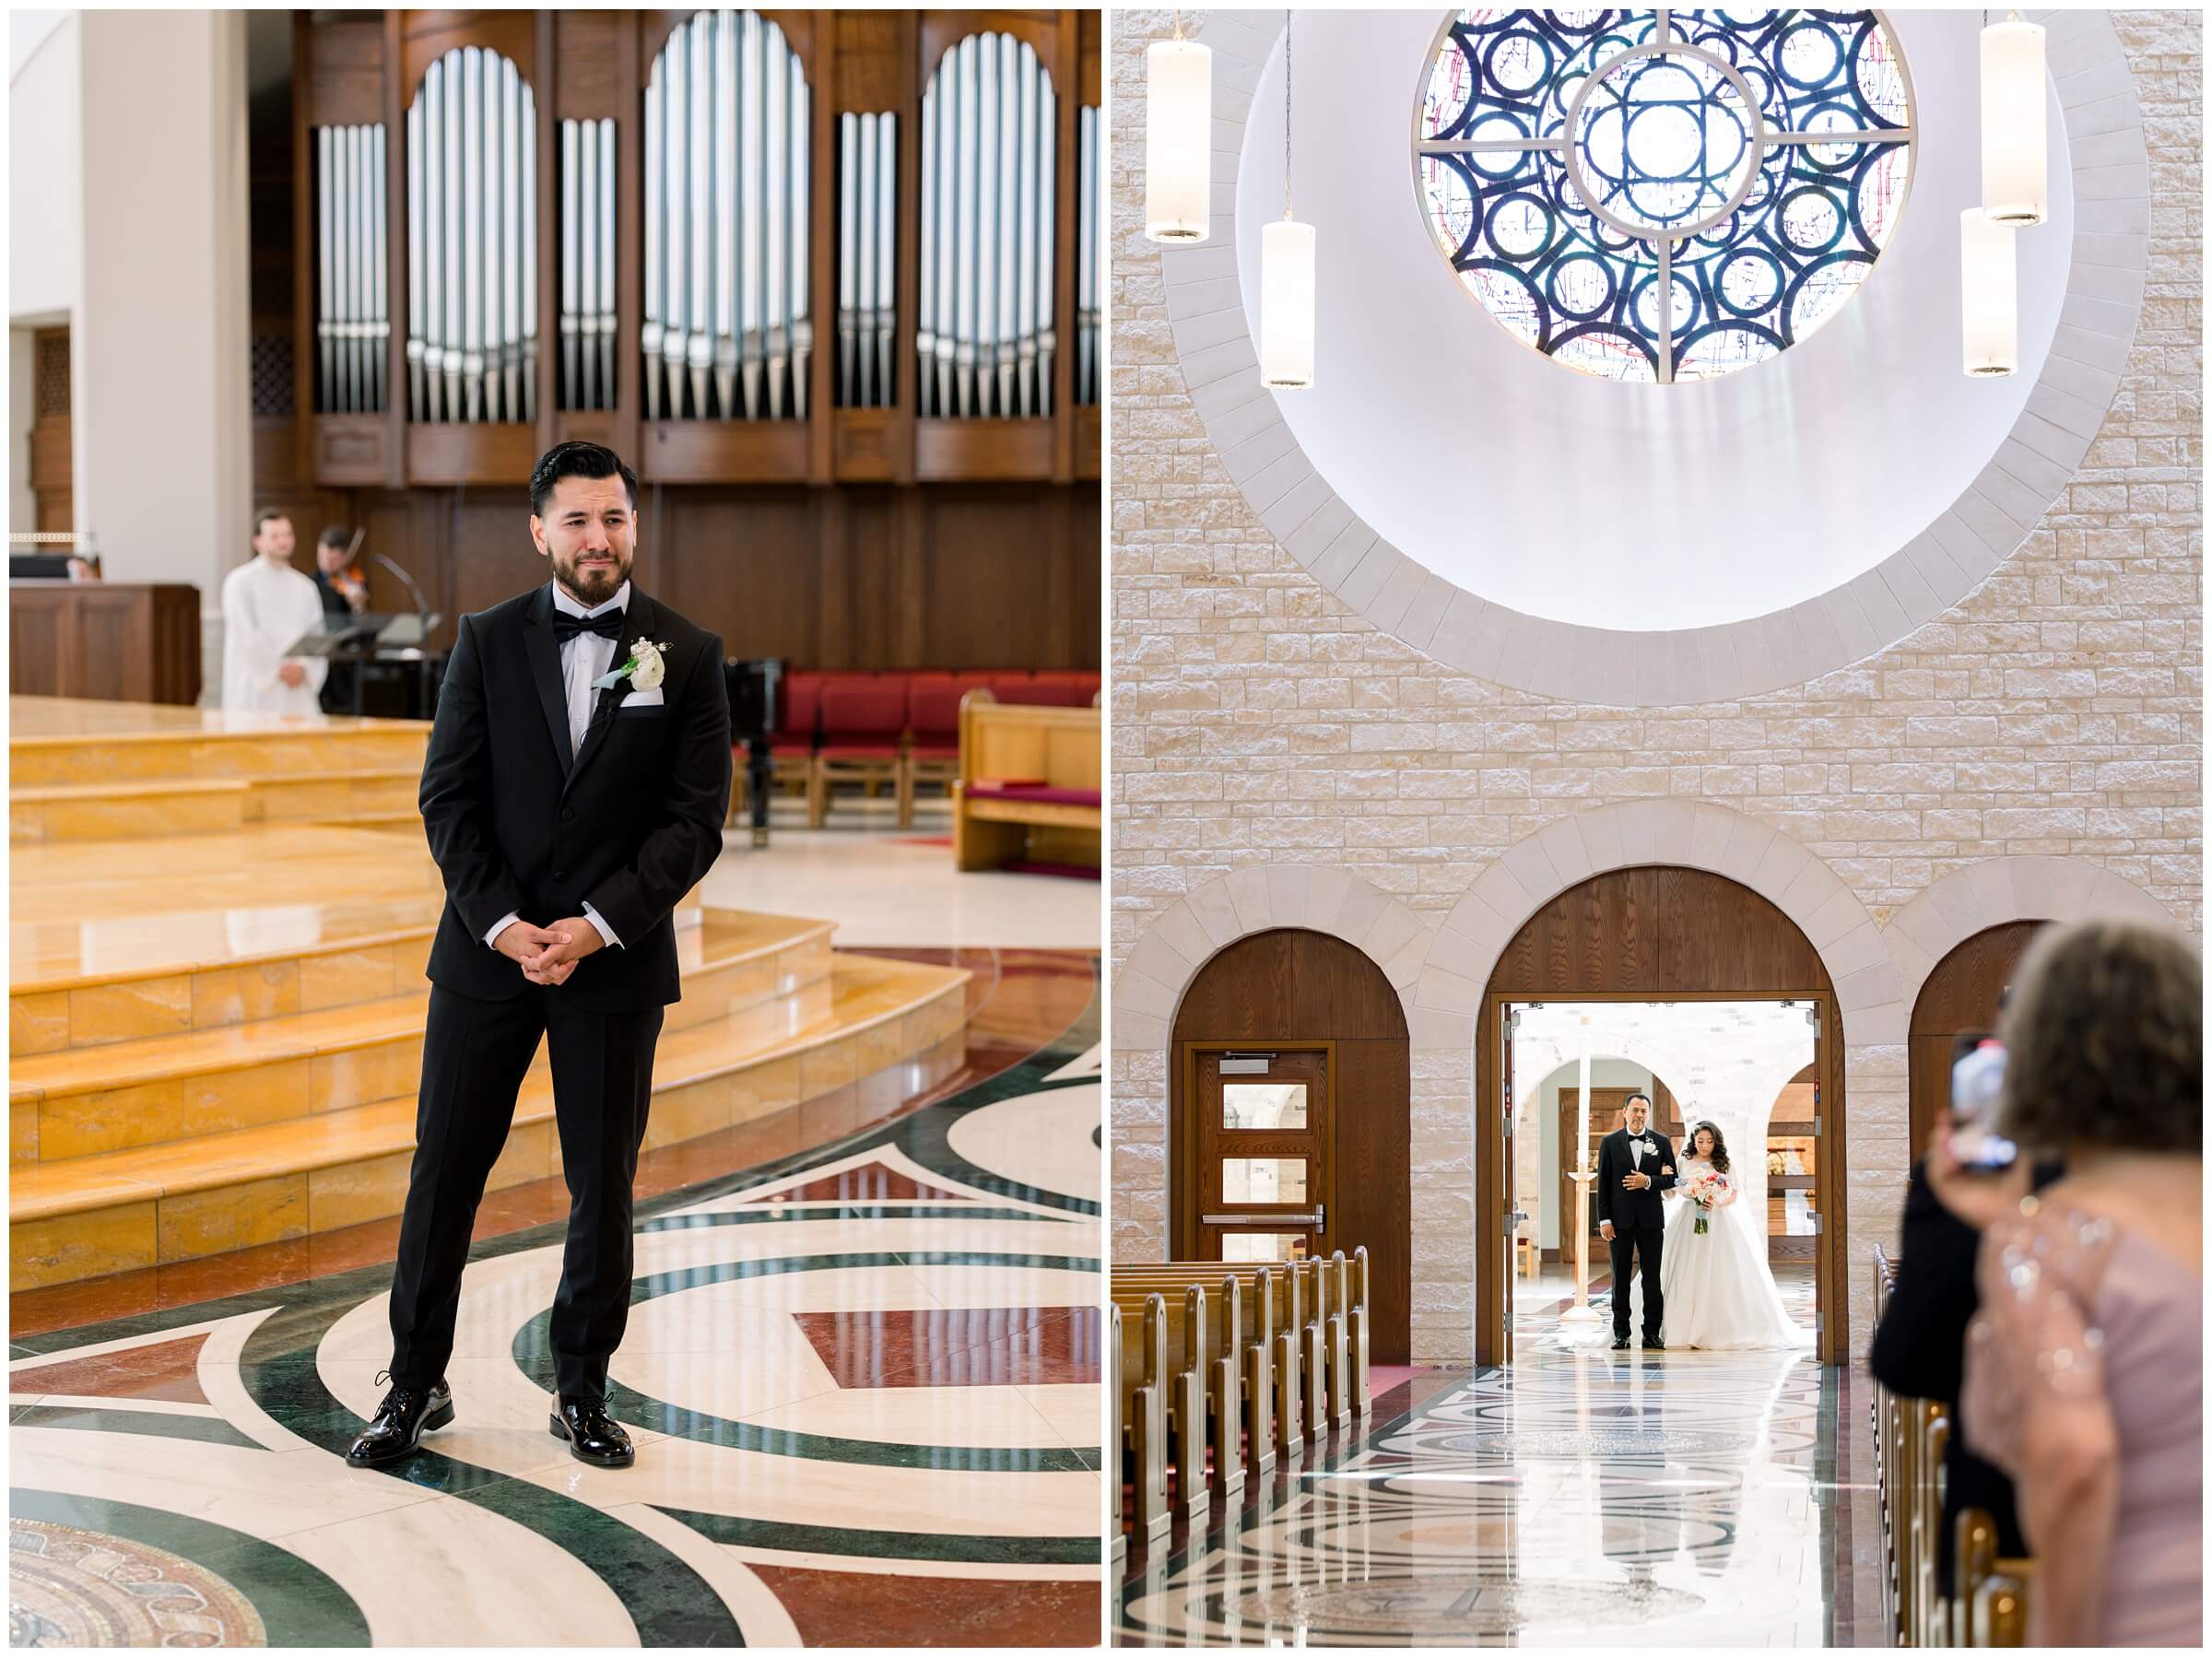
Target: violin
{"type": "Point", "coordinates": [351, 585]}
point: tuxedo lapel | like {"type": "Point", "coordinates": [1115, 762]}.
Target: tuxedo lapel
{"type": "Point", "coordinates": [637, 623]}
{"type": "Point", "coordinates": [544, 650]}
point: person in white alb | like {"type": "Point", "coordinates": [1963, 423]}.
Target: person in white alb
{"type": "Point", "coordinates": [267, 606]}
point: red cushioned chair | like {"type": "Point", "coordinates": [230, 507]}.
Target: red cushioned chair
{"type": "Point", "coordinates": [933, 718]}
{"type": "Point", "coordinates": [863, 737]}
{"type": "Point", "coordinates": [1059, 689]}
{"type": "Point", "coordinates": [790, 746]}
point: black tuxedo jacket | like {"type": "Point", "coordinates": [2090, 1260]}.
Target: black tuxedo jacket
{"type": "Point", "coordinates": [630, 827]}
{"type": "Point", "coordinates": [1629, 1210]}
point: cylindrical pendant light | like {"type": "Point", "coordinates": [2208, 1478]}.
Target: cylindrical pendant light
{"type": "Point", "coordinates": [1286, 304]}
{"type": "Point", "coordinates": [1179, 138]}
{"type": "Point", "coordinates": [1286, 277]}
{"type": "Point", "coordinates": [2016, 187]}
{"type": "Point", "coordinates": [1988, 296]}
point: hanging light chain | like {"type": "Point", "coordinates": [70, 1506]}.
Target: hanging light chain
{"type": "Point", "coordinates": [1287, 213]}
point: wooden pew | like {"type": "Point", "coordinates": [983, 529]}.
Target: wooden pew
{"type": "Point", "coordinates": [1240, 1371]}
{"type": "Point", "coordinates": [1056, 820]}
{"type": "Point", "coordinates": [1181, 1370]}
{"type": "Point", "coordinates": [1305, 1327]}
{"type": "Point", "coordinates": [1142, 1390]}
{"type": "Point", "coordinates": [1117, 1417]}
{"type": "Point", "coordinates": [1991, 1605]}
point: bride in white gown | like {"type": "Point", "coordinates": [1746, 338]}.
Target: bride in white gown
{"type": "Point", "coordinates": [1720, 1293]}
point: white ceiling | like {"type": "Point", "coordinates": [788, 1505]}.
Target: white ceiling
{"type": "Point", "coordinates": [1638, 508]}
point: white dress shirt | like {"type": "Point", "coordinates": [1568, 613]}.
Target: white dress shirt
{"type": "Point", "coordinates": [585, 657]}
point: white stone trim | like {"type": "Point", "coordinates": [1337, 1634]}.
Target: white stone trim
{"type": "Point", "coordinates": [1206, 920]}
{"type": "Point", "coordinates": [1915, 584]}
{"type": "Point", "coordinates": [1702, 835]}
{"type": "Point", "coordinates": [2002, 889]}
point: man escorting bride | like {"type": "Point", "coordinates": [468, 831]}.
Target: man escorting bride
{"type": "Point", "coordinates": [1716, 1292]}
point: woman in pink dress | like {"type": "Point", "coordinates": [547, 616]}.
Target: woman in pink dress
{"type": "Point", "coordinates": [2084, 1365]}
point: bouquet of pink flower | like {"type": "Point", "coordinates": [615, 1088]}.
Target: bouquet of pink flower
{"type": "Point", "coordinates": [1706, 1192]}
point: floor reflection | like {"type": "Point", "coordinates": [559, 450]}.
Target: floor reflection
{"type": "Point", "coordinates": [1583, 1496]}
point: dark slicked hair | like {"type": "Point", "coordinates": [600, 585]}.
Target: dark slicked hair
{"type": "Point", "coordinates": [2104, 1037]}
{"type": "Point", "coordinates": [577, 460]}
{"type": "Point", "coordinates": [268, 515]}
{"type": "Point", "coordinates": [1634, 1098]}
{"type": "Point", "coordinates": [338, 535]}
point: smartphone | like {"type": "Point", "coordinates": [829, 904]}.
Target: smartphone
{"type": "Point", "coordinates": [1977, 1083]}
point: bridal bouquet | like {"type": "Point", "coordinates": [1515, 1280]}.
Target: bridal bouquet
{"type": "Point", "coordinates": [1705, 1190]}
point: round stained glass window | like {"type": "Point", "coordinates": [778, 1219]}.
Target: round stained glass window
{"type": "Point", "coordinates": [1661, 196]}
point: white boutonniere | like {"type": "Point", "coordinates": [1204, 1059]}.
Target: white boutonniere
{"type": "Point", "coordinates": [644, 670]}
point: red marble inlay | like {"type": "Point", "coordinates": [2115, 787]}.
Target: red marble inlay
{"type": "Point", "coordinates": [957, 1346]}
{"type": "Point", "coordinates": [167, 1369]}
{"type": "Point", "coordinates": [862, 1608]}
{"type": "Point", "coordinates": [870, 1182]}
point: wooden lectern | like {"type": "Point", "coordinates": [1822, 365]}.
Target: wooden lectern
{"type": "Point", "coordinates": [111, 640]}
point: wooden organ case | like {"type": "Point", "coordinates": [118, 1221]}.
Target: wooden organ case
{"type": "Point", "coordinates": [831, 281]}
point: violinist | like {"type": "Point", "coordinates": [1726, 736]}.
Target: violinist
{"type": "Point", "coordinates": [345, 596]}
{"type": "Point", "coordinates": [344, 591]}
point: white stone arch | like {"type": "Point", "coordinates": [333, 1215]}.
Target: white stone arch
{"type": "Point", "coordinates": [1914, 584]}
{"type": "Point", "coordinates": [1157, 971]}
{"type": "Point", "coordinates": [1870, 1004]}
{"type": "Point", "coordinates": [1693, 834]}
{"type": "Point", "coordinates": [1206, 920]}
{"type": "Point", "coordinates": [2001, 889]}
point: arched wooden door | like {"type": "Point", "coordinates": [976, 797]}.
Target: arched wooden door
{"type": "Point", "coordinates": [1290, 1108]}
{"type": "Point", "coordinates": [1960, 994]}
{"type": "Point", "coordinates": [1650, 934]}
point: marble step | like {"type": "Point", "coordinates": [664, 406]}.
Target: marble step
{"type": "Point", "coordinates": [191, 936]}
{"type": "Point", "coordinates": [155, 810]}
{"type": "Point", "coordinates": [884, 1029]}
{"type": "Point", "coordinates": [56, 742]}
{"type": "Point", "coordinates": [171, 807]}
{"type": "Point", "coordinates": [769, 973]}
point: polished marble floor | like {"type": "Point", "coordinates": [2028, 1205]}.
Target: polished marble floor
{"type": "Point", "coordinates": [861, 1377]}
{"type": "Point", "coordinates": [884, 886]}
{"type": "Point", "coordinates": [1579, 1497]}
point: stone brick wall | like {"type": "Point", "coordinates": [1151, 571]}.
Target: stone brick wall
{"type": "Point", "coordinates": [1258, 720]}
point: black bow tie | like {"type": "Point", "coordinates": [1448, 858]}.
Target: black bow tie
{"type": "Point", "coordinates": [607, 624]}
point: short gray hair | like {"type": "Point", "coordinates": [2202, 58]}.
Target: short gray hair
{"type": "Point", "coordinates": [2104, 1037]}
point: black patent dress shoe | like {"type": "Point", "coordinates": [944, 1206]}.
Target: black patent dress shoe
{"type": "Point", "coordinates": [1620, 1343]}
{"type": "Point", "coordinates": [594, 1436]}
{"type": "Point", "coordinates": [1652, 1343]}
{"type": "Point", "coordinates": [397, 1428]}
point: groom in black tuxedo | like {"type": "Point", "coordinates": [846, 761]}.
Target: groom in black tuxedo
{"type": "Point", "coordinates": [1634, 1165]}
{"type": "Point", "coordinates": [568, 821]}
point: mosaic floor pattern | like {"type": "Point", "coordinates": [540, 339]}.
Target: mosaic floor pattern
{"type": "Point", "coordinates": [1581, 1497]}
{"type": "Point", "coordinates": [862, 1382]}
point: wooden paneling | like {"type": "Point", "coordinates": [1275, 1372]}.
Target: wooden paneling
{"type": "Point", "coordinates": [588, 86]}
{"type": "Point", "coordinates": [856, 577]}
{"type": "Point", "coordinates": [109, 642]}
{"type": "Point", "coordinates": [1292, 985]}
{"type": "Point", "coordinates": [1658, 930]}
{"type": "Point", "coordinates": [1959, 994]}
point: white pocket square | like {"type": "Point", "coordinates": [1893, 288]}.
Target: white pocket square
{"type": "Point", "coordinates": [645, 698]}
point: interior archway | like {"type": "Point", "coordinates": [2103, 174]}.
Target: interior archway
{"type": "Point", "coordinates": [1653, 933]}
{"type": "Point", "coordinates": [1290, 989]}
{"type": "Point", "coordinates": [1959, 993]}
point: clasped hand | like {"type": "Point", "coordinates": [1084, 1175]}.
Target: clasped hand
{"type": "Point", "coordinates": [548, 955]}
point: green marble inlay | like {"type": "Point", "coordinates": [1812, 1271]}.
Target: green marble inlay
{"type": "Point", "coordinates": [207, 1429]}
{"type": "Point", "coordinates": [298, 1603]}
{"type": "Point", "coordinates": [671, 1603]}
{"type": "Point", "coordinates": [890, 1545]}
{"type": "Point", "coordinates": [533, 1355]}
